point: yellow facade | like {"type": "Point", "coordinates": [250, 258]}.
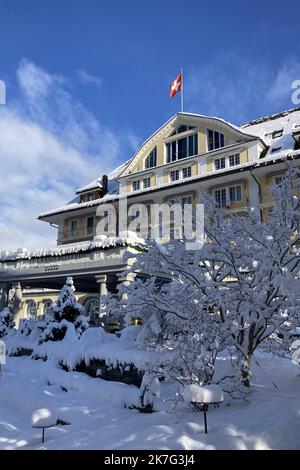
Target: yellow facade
{"type": "Point", "coordinates": [41, 300]}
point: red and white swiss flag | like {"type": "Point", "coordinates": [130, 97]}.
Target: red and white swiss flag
{"type": "Point", "coordinates": [176, 86]}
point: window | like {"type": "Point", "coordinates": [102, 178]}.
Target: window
{"type": "Point", "coordinates": [90, 196]}
{"type": "Point", "coordinates": [46, 306]}
{"type": "Point", "coordinates": [92, 307]}
{"type": "Point", "coordinates": [220, 163]}
{"type": "Point", "coordinates": [277, 134]}
{"type": "Point", "coordinates": [181, 129]}
{"type": "Point", "coordinates": [174, 175]}
{"type": "Point", "coordinates": [147, 182]}
{"type": "Point", "coordinates": [135, 185]}
{"type": "Point", "coordinates": [151, 160]}
{"type": "Point", "coordinates": [73, 227]}
{"type": "Point", "coordinates": [185, 200]}
{"type": "Point", "coordinates": [31, 310]}
{"type": "Point", "coordinates": [215, 140]}
{"type": "Point", "coordinates": [225, 196]}
{"type": "Point", "coordinates": [90, 225]}
{"type": "Point", "coordinates": [278, 180]}
{"type": "Point", "coordinates": [227, 161]}
{"type": "Point", "coordinates": [220, 197]}
{"type": "Point", "coordinates": [234, 159]}
{"type": "Point", "coordinates": [235, 193]}
{"type": "Point", "coordinates": [187, 172]}
{"type": "Point", "coordinates": [182, 148]}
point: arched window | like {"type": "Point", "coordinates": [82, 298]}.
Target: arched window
{"type": "Point", "coordinates": [151, 159]}
{"type": "Point", "coordinates": [31, 310]}
{"type": "Point", "coordinates": [92, 307]}
{"type": "Point", "coordinates": [46, 305]}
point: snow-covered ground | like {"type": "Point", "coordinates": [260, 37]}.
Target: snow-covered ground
{"type": "Point", "coordinates": [95, 408]}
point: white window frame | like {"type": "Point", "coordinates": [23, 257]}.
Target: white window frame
{"type": "Point", "coordinates": [227, 160]}
{"type": "Point", "coordinates": [220, 158]}
{"type": "Point", "coordinates": [136, 182]}
{"type": "Point", "coordinates": [227, 189]}
{"type": "Point", "coordinates": [188, 169]}
{"type": "Point", "coordinates": [175, 139]}
{"type": "Point", "coordinates": [180, 173]}
{"type": "Point", "coordinates": [148, 155]}
{"type": "Point", "coordinates": [235, 156]}
{"type": "Point", "coordinates": [177, 170]}
{"type": "Point", "coordinates": [207, 139]}
{"type": "Point", "coordinates": [148, 178]}
{"type": "Point", "coordinates": [31, 309]}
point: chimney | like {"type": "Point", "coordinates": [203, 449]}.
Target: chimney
{"type": "Point", "coordinates": [104, 184]}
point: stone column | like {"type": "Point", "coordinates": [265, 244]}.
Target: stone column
{"type": "Point", "coordinates": [3, 296]}
{"type": "Point", "coordinates": [17, 299]}
{"type": "Point", "coordinates": [125, 278]}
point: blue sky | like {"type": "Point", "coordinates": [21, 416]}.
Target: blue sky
{"type": "Point", "coordinates": [87, 81]}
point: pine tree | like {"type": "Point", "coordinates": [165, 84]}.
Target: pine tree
{"type": "Point", "coordinates": [64, 312]}
{"type": "Point", "coordinates": [6, 321]}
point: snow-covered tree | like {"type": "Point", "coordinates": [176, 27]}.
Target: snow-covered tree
{"type": "Point", "coordinates": [6, 321]}
{"type": "Point", "coordinates": [239, 291]}
{"type": "Point", "coordinates": [64, 311]}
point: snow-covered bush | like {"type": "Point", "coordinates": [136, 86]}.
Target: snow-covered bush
{"type": "Point", "coordinates": [149, 392]}
{"type": "Point", "coordinates": [6, 322]}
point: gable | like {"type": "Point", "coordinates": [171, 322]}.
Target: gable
{"type": "Point", "coordinates": [179, 126]}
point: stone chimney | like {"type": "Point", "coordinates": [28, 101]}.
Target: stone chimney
{"type": "Point", "coordinates": [104, 184]}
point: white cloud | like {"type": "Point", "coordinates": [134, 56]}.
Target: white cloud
{"type": "Point", "coordinates": [88, 79]}
{"type": "Point", "coordinates": [281, 89]}
{"type": "Point", "coordinates": [49, 145]}
{"type": "Point", "coordinates": [239, 90]}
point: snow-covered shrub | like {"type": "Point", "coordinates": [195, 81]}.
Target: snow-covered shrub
{"type": "Point", "coordinates": [26, 338]}
{"type": "Point", "coordinates": [149, 392]}
{"type": "Point", "coordinates": [55, 331]}
{"type": "Point", "coordinates": [6, 322]}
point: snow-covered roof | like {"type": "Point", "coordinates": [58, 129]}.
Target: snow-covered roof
{"type": "Point", "coordinates": [97, 183]}
{"type": "Point", "coordinates": [286, 122]}
{"type": "Point", "coordinates": [275, 130]}
{"type": "Point", "coordinates": [99, 242]}
{"type": "Point", "coordinates": [269, 158]}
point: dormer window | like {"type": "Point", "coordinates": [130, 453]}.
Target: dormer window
{"type": "Point", "coordinates": [215, 140]}
{"type": "Point", "coordinates": [151, 159]}
{"type": "Point", "coordinates": [91, 196]}
{"type": "Point", "coordinates": [277, 134]}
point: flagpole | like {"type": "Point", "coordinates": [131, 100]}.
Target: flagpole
{"type": "Point", "coordinates": [181, 72]}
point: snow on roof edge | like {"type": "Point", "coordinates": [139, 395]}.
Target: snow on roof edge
{"type": "Point", "coordinates": [269, 117]}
